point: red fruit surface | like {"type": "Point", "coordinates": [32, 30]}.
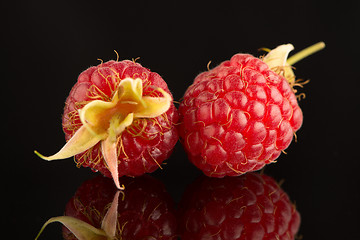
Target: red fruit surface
{"type": "Point", "coordinates": [144, 145]}
{"type": "Point", "coordinates": [251, 206]}
{"type": "Point", "coordinates": [145, 209]}
{"type": "Point", "coordinates": [238, 117]}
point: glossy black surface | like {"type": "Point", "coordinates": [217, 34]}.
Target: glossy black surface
{"type": "Point", "coordinates": [47, 44]}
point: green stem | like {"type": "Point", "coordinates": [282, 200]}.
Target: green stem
{"type": "Point", "coordinates": [306, 52]}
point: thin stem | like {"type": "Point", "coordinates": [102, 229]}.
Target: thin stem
{"type": "Point", "coordinates": [306, 52]}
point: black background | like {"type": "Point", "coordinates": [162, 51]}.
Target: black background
{"type": "Point", "coordinates": [48, 43]}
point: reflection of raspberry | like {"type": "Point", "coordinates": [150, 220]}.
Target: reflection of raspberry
{"type": "Point", "coordinates": [238, 117]}
{"type": "Point", "coordinates": [250, 206]}
{"type": "Point", "coordinates": [145, 209]}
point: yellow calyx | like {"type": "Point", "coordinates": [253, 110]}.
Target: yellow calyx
{"type": "Point", "coordinates": [277, 59]}
{"type": "Point", "coordinates": [105, 121]}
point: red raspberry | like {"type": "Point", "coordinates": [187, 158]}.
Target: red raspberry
{"type": "Point", "coordinates": [119, 120]}
{"type": "Point", "coordinates": [144, 210]}
{"type": "Point", "coordinates": [251, 206]}
{"type": "Point", "coordinates": [240, 115]}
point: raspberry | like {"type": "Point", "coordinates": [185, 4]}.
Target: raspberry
{"type": "Point", "coordinates": [144, 210]}
{"type": "Point", "coordinates": [251, 206]}
{"type": "Point", "coordinates": [119, 120]}
{"type": "Point", "coordinates": [240, 115]}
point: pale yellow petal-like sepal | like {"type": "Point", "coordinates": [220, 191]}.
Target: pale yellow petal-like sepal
{"type": "Point", "coordinates": [130, 90]}
{"type": "Point", "coordinates": [276, 60]}
{"type": "Point", "coordinates": [109, 151]}
{"type": "Point", "coordinates": [118, 125]}
{"type": "Point", "coordinates": [109, 145]}
{"type": "Point", "coordinates": [155, 106]}
{"type": "Point", "coordinates": [80, 142]}
{"type": "Point", "coordinates": [81, 229]}
{"type": "Point", "coordinates": [278, 56]}
{"type": "Point", "coordinates": [95, 116]}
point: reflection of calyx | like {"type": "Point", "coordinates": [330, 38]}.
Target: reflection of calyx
{"type": "Point", "coordinates": [99, 211]}
{"type": "Point", "coordinates": [85, 231]}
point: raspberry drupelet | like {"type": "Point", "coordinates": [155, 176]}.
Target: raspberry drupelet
{"type": "Point", "coordinates": [119, 119]}
{"type": "Point", "coordinates": [240, 115]}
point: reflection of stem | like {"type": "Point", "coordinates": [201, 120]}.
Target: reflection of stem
{"type": "Point", "coordinates": [306, 52]}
